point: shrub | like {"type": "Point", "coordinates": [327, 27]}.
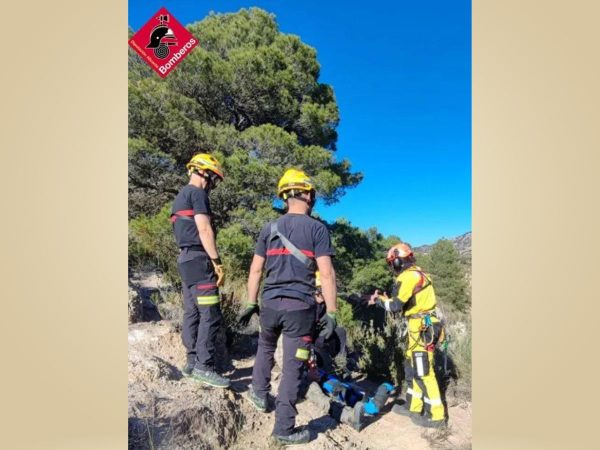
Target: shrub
{"type": "Point", "coordinates": [448, 273]}
{"type": "Point", "coordinates": [381, 351]}
{"type": "Point", "coordinates": [151, 242]}
{"type": "Point", "coordinates": [344, 313]}
{"type": "Point", "coordinates": [237, 249]}
{"type": "Point", "coordinates": [459, 354]}
{"type": "Point", "coordinates": [371, 275]}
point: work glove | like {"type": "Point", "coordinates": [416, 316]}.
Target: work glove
{"type": "Point", "coordinates": [219, 271]}
{"type": "Point", "coordinates": [246, 314]}
{"type": "Point", "coordinates": [327, 325]}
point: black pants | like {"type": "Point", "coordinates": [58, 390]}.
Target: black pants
{"type": "Point", "coordinates": [201, 311]}
{"type": "Point", "coordinates": [294, 319]}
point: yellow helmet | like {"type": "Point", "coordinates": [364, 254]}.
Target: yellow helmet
{"type": "Point", "coordinates": [294, 180]}
{"type": "Point", "coordinates": [204, 161]}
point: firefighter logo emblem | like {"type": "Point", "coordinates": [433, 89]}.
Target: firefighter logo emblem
{"type": "Point", "coordinates": [162, 37]}
{"type": "Point", "coordinates": [163, 42]}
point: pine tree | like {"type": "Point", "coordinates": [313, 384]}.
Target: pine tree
{"type": "Point", "coordinates": [448, 274]}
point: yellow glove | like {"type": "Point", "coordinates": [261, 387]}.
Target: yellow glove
{"type": "Point", "coordinates": [219, 271]}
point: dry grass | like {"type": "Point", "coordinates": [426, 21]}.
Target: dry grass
{"type": "Point", "coordinates": [438, 438]}
{"type": "Point", "coordinates": [459, 335]}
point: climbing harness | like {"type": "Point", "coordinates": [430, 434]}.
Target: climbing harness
{"type": "Point", "coordinates": [304, 256]}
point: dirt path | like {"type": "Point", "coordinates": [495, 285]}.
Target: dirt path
{"type": "Point", "coordinates": [388, 431]}
{"type": "Point", "coordinates": [167, 410]}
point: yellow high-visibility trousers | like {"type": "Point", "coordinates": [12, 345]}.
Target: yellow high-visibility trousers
{"type": "Point", "coordinates": [423, 393]}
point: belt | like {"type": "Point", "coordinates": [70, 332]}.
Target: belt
{"type": "Point", "coordinates": [192, 247]}
{"type": "Point", "coordinates": [284, 297]}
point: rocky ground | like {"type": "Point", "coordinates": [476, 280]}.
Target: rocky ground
{"type": "Point", "coordinates": [167, 410]}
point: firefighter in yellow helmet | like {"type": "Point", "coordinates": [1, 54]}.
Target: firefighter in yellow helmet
{"type": "Point", "coordinates": [289, 249]}
{"type": "Point", "coordinates": [200, 269]}
{"type": "Point", "coordinates": [297, 185]}
{"type": "Point", "coordinates": [414, 297]}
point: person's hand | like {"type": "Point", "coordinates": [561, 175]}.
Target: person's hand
{"type": "Point", "coordinates": [327, 325]}
{"type": "Point", "coordinates": [319, 297]}
{"type": "Point", "coordinates": [246, 314]}
{"type": "Point", "coordinates": [374, 297]}
{"type": "Point", "coordinates": [219, 271]}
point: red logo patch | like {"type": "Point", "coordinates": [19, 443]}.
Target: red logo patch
{"type": "Point", "coordinates": [163, 42]}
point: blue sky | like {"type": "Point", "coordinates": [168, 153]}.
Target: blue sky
{"type": "Point", "coordinates": [401, 71]}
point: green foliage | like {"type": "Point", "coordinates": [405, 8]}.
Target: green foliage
{"type": "Point", "coordinates": [447, 270]}
{"type": "Point", "coordinates": [137, 67]}
{"type": "Point", "coordinates": [152, 178]}
{"type": "Point", "coordinates": [151, 240]}
{"type": "Point", "coordinates": [382, 352]}
{"type": "Point", "coordinates": [360, 258]}
{"type": "Point", "coordinates": [374, 274]}
{"type": "Point", "coordinates": [237, 249]}
{"type": "Point", "coordinates": [250, 95]}
{"type": "Point", "coordinates": [344, 313]}
{"type": "Point", "coordinates": [423, 261]}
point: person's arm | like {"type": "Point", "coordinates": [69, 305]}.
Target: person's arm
{"type": "Point", "coordinates": [256, 269]}
{"type": "Point", "coordinates": [251, 304]}
{"type": "Point", "coordinates": [207, 235]}
{"type": "Point", "coordinates": [328, 282]}
{"type": "Point", "coordinates": [254, 275]}
{"type": "Point", "coordinates": [390, 304]}
{"type": "Point", "coordinates": [401, 293]}
{"type": "Point", "coordinates": [323, 253]}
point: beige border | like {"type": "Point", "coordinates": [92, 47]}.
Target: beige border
{"type": "Point", "coordinates": [535, 165]}
{"type": "Point", "coordinates": [64, 115]}
{"type": "Point", "coordinates": [64, 254]}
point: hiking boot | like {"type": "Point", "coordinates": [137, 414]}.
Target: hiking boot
{"type": "Point", "coordinates": [426, 422]}
{"type": "Point", "coordinates": [259, 403]}
{"type": "Point", "coordinates": [316, 395]}
{"type": "Point", "coordinates": [297, 438]}
{"type": "Point", "coordinates": [211, 378]}
{"type": "Point", "coordinates": [402, 410]}
{"type": "Point", "coordinates": [355, 417]}
{"type": "Point", "coordinates": [187, 370]}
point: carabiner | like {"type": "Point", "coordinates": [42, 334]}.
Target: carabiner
{"type": "Point", "coordinates": [427, 320]}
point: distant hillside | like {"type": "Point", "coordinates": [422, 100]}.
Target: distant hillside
{"type": "Point", "coordinates": [462, 243]}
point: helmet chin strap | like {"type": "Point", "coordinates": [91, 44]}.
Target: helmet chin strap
{"type": "Point", "coordinates": [210, 180]}
{"type": "Point", "coordinates": [310, 202]}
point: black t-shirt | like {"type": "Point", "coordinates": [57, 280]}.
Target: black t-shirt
{"type": "Point", "coordinates": [190, 200]}
{"type": "Point", "coordinates": [285, 275]}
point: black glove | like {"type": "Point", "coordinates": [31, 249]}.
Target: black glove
{"type": "Point", "coordinates": [246, 314]}
{"type": "Point", "coordinates": [327, 325]}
